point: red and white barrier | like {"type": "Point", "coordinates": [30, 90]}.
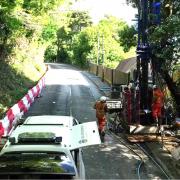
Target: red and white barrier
{"type": "Point", "coordinates": [17, 111]}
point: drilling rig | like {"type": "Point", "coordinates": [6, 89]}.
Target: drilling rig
{"type": "Point", "coordinates": [137, 101]}
{"type": "Point", "coordinates": [148, 71]}
{"type": "Point", "coordinates": [142, 79]}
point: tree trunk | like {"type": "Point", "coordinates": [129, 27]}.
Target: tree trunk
{"type": "Point", "coordinates": [172, 88]}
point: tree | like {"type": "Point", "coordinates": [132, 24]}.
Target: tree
{"type": "Point", "coordinates": [68, 34]}
{"type": "Point", "coordinates": [41, 6]}
{"type": "Point", "coordinates": [64, 42]}
{"type": "Point", "coordinates": [83, 45]}
{"type": "Point", "coordinates": [128, 38]}
{"type": "Point", "coordinates": [49, 32]}
{"type": "Point", "coordinates": [165, 40]}
{"type": "Point", "coordinates": [110, 42]}
{"type": "Point", "coordinates": [78, 20]}
{"type": "Point", "coordinates": [77, 40]}
{"type": "Point", "coordinates": [50, 53]}
{"type": "Point", "coordinates": [27, 28]}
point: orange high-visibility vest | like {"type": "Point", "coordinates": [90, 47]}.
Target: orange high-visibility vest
{"type": "Point", "coordinates": [158, 97]}
{"type": "Point", "coordinates": [101, 109]}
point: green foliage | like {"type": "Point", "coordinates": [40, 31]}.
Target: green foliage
{"type": "Point", "coordinates": [64, 44]}
{"type": "Point", "coordinates": [49, 32]}
{"type": "Point", "coordinates": [9, 85]}
{"type": "Point", "coordinates": [68, 42]}
{"type": "Point", "coordinates": [7, 5]}
{"type": "Point", "coordinates": [78, 20]}
{"type": "Point", "coordinates": [78, 41]}
{"type": "Point", "coordinates": [127, 38]}
{"type": "Point", "coordinates": [109, 41]}
{"type": "Point", "coordinates": [41, 6]}
{"type": "Point", "coordinates": [166, 40]}
{"type": "Point", "coordinates": [50, 53]}
{"type": "Point", "coordinates": [63, 55]}
{"type": "Point", "coordinates": [26, 30]}
{"type": "Point", "coordinates": [11, 27]}
{"type": "Point", "coordinates": [81, 48]}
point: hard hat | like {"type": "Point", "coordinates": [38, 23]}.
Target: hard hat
{"type": "Point", "coordinates": [154, 86]}
{"type": "Point", "coordinates": [137, 88]}
{"type": "Point", "coordinates": [103, 98]}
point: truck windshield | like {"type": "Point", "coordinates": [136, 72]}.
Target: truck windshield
{"type": "Point", "coordinates": [36, 163]}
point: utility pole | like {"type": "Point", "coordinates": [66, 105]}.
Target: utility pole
{"type": "Point", "coordinates": [103, 50]}
{"type": "Point", "coordinates": [98, 50]}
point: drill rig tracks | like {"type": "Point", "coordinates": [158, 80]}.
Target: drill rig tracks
{"type": "Point", "coordinates": [146, 163]}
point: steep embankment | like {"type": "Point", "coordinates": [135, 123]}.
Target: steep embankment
{"type": "Point", "coordinates": [21, 49]}
{"type": "Point", "coordinates": [19, 71]}
{"type": "Point", "coordinates": [15, 81]}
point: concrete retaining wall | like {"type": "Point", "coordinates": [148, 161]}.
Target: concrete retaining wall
{"type": "Point", "coordinates": [111, 76]}
{"type": "Point", "coordinates": [120, 77]}
{"type": "Point", "coordinates": [93, 68]}
{"type": "Point", "coordinates": [108, 75]}
{"type": "Point", "coordinates": [100, 72]}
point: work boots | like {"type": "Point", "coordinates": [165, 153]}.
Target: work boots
{"type": "Point", "coordinates": [102, 134]}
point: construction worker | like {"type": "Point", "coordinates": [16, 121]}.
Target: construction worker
{"type": "Point", "coordinates": [1, 131]}
{"type": "Point", "coordinates": [157, 105]}
{"type": "Point", "coordinates": [101, 109]}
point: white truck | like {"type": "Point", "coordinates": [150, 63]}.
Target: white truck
{"type": "Point", "coordinates": [46, 151]}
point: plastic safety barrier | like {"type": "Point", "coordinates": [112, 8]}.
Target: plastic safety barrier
{"type": "Point", "coordinates": [22, 106]}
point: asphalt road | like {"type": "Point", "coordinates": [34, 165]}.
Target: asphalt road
{"type": "Point", "coordinates": [69, 92]}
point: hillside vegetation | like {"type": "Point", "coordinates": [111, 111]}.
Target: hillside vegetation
{"type": "Point", "coordinates": [21, 48]}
